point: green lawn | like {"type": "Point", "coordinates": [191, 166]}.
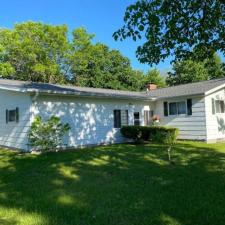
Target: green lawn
{"type": "Point", "coordinates": [119, 185]}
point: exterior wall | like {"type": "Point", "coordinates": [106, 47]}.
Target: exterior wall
{"type": "Point", "coordinates": [191, 127]}
{"type": "Point", "coordinates": [91, 119]}
{"type": "Point", "coordinates": [215, 123]}
{"type": "Point", "coordinates": [13, 134]}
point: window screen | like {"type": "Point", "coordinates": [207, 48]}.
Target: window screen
{"type": "Point", "coordinates": [165, 107]}
{"type": "Point", "coordinates": [181, 107]}
{"type": "Point", "coordinates": [177, 108]}
{"type": "Point", "coordinates": [147, 117]}
{"type": "Point", "coordinates": [117, 118]}
{"type": "Point", "coordinates": [136, 118]}
{"type": "Point", "coordinates": [213, 106]}
{"type": "Point", "coordinates": [124, 117]}
{"type": "Point", "coordinates": [219, 105]}
{"type": "Point", "coordinates": [189, 106]}
{"type": "Point", "coordinates": [173, 108]}
{"type": "Point", "coordinates": [12, 115]}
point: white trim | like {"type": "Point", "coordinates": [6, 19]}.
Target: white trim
{"type": "Point", "coordinates": [214, 89]}
{"type": "Point", "coordinates": [183, 114]}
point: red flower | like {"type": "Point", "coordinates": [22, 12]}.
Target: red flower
{"type": "Point", "coordinates": [156, 118]}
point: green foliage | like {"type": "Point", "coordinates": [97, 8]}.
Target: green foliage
{"type": "Point", "coordinates": [137, 133]}
{"type": "Point", "coordinates": [154, 76]}
{"type": "Point", "coordinates": [159, 134]}
{"type": "Point", "coordinates": [188, 71]}
{"type": "Point", "coordinates": [165, 135]}
{"type": "Point", "coordinates": [214, 67]}
{"type": "Point", "coordinates": [35, 51]}
{"type": "Point", "coordinates": [44, 53]}
{"type": "Point", "coordinates": [175, 27]}
{"type": "Point", "coordinates": [95, 65]}
{"type": "Point", "coordinates": [47, 135]}
{"type": "Point", "coordinates": [6, 69]}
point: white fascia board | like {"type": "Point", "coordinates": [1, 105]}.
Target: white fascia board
{"type": "Point", "coordinates": [13, 89]}
{"type": "Point", "coordinates": [93, 95]}
{"type": "Point", "coordinates": [215, 89]}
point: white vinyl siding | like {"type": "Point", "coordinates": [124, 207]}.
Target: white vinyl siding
{"type": "Point", "coordinates": [14, 134]}
{"type": "Point", "coordinates": [91, 119]}
{"type": "Point", "coordinates": [190, 126]}
{"type": "Point", "coordinates": [215, 118]}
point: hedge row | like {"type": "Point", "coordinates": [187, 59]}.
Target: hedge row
{"type": "Point", "coordinates": [160, 134]}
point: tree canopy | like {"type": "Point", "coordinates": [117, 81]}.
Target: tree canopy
{"type": "Point", "coordinates": [176, 28]}
{"type": "Point", "coordinates": [33, 51]}
{"type": "Point", "coordinates": [41, 52]}
{"type": "Point", "coordinates": [188, 71]}
{"type": "Point", "coordinates": [154, 76]}
{"type": "Point", "coordinates": [95, 65]}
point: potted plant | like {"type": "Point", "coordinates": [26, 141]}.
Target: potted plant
{"type": "Point", "coordinates": [155, 120]}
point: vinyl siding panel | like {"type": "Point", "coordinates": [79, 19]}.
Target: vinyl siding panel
{"type": "Point", "coordinates": [191, 127]}
{"type": "Point", "coordinates": [91, 119]}
{"type": "Point", "coordinates": [215, 123]}
{"type": "Point", "coordinates": [13, 134]}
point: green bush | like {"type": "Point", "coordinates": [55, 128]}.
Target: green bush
{"type": "Point", "coordinates": [159, 134]}
{"type": "Point", "coordinates": [137, 133]}
{"type": "Point", "coordinates": [162, 134]}
{"type": "Point", "coordinates": [47, 135]}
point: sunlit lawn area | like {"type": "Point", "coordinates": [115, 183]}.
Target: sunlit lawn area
{"type": "Point", "coordinates": [119, 185]}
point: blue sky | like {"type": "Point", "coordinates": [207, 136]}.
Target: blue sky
{"type": "Point", "coordinates": [101, 17]}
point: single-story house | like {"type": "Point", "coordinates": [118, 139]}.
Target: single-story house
{"type": "Point", "coordinates": [96, 115]}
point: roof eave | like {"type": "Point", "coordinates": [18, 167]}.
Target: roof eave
{"type": "Point", "coordinates": [91, 95]}
{"type": "Point", "coordinates": [180, 96]}
{"type": "Point", "coordinates": [214, 89]}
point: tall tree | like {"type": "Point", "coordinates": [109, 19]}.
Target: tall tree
{"type": "Point", "coordinates": [34, 51]}
{"type": "Point", "coordinates": [44, 53]}
{"type": "Point", "coordinates": [95, 65]}
{"type": "Point", "coordinates": [187, 71]}
{"type": "Point", "coordinates": [177, 28]}
{"type": "Point", "coordinates": [214, 67]}
{"type": "Point", "coordinates": [154, 76]}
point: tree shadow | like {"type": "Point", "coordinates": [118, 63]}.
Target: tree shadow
{"type": "Point", "coordinates": [118, 184]}
{"type": "Point", "coordinates": [221, 124]}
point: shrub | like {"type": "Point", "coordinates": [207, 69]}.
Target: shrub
{"type": "Point", "coordinates": [159, 134]}
{"type": "Point", "coordinates": [47, 135]}
{"type": "Point", "coordinates": [137, 133]}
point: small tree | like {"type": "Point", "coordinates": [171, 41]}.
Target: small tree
{"type": "Point", "coordinates": [170, 140]}
{"type": "Point", "coordinates": [47, 135]}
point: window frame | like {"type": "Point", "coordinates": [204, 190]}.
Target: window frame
{"type": "Point", "coordinates": [139, 121]}
{"type": "Point", "coordinates": [122, 115]}
{"type": "Point", "coordinates": [176, 102]}
{"type": "Point", "coordinates": [117, 118]}
{"type": "Point", "coordinates": [14, 118]}
{"type": "Point", "coordinates": [148, 114]}
{"type": "Point", "coordinates": [217, 102]}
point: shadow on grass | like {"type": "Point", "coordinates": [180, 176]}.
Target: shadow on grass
{"type": "Point", "coordinates": [119, 184]}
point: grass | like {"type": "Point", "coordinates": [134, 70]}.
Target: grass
{"type": "Point", "coordinates": [115, 185]}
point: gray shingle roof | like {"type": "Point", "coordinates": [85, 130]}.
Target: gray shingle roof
{"type": "Point", "coordinates": [26, 86]}
{"type": "Point", "coordinates": [197, 88]}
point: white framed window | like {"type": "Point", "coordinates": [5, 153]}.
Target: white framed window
{"type": "Point", "coordinates": [136, 118]}
{"type": "Point", "coordinates": [219, 106]}
{"type": "Point", "coordinates": [148, 114]}
{"type": "Point", "coordinates": [124, 117]}
{"type": "Point", "coordinates": [120, 118]}
{"type": "Point", "coordinates": [12, 115]}
{"type": "Point", "coordinates": [177, 108]}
